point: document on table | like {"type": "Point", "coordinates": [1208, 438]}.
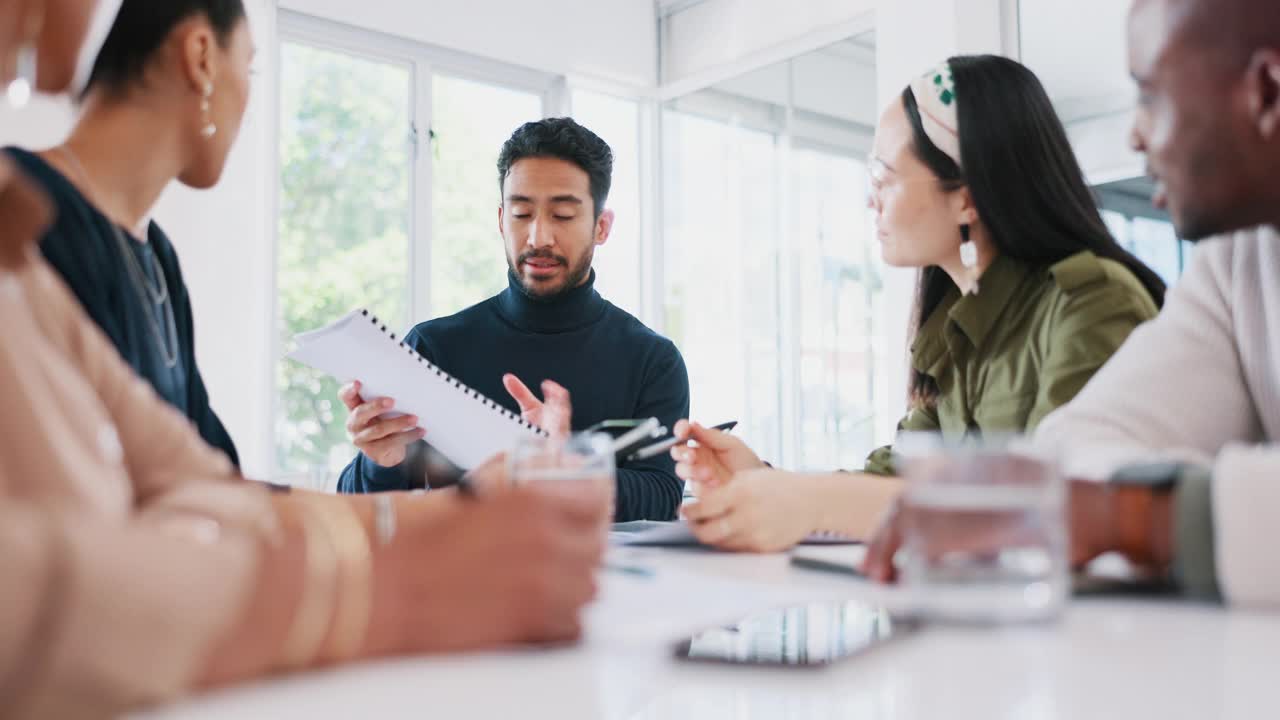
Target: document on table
{"type": "Point", "coordinates": [649, 533]}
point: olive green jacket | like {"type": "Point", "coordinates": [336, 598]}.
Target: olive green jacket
{"type": "Point", "coordinates": [1025, 344]}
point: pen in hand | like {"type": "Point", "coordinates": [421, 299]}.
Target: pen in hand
{"type": "Point", "coordinates": [666, 445]}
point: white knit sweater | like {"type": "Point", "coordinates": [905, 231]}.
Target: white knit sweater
{"type": "Point", "coordinates": [1201, 382]}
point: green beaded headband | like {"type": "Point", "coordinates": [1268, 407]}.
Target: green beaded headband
{"type": "Point", "coordinates": [935, 93]}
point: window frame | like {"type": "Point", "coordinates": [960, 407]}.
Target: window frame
{"type": "Point", "coordinates": [424, 63]}
{"type": "Point", "coordinates": [791, 131]}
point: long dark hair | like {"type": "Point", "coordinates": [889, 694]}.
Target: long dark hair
{"type": "Point", "coordinates": [1026, 183]}
{"type": "Point", "coordinates": [140, 29]}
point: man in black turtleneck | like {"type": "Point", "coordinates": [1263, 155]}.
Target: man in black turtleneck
{"type": "Point", "coordinates": [549, 324]}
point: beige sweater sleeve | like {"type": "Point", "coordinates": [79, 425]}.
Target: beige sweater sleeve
{"type": "Point", "coordinates": [98, 618]}
{"type": "Point", "coordinates": [174, 473]}
{"type": "Point", "coordinates": [101, 610]}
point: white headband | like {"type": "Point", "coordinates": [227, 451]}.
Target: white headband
{"type": "Point", "coordinates": [104, 16]}
{"type": "Point", "coordinates": [936, 99]}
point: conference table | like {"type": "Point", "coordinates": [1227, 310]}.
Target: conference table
{"type": "Point", "coordinates": [1109, 656]}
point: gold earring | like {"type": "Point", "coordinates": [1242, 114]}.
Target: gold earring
{"type": "Point", "coordinates": [22, 66]}
{"type": "Point", "coordinates": [209, 129]}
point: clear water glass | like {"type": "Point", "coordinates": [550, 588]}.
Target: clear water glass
{"type": "Point", "coordinates": [582, 458]}
{"type": "Point", "coordinates": [985, 530]}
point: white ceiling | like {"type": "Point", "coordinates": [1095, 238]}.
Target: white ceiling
{"type": "Point", "coordinates": [1078, 50]}
{"type": "Point", "coordinates": [837, 81]}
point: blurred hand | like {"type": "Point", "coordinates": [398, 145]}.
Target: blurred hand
{"type": "Point", "coordinates": [516, 566]}
{"type": "Point", "coordinates": [553, 415]}
{"type": "Point", "coordinates": [492, 475]}
{"type": "Point", "coordinates": [1095, 516]}
{"type": "Point", "coordinates": [758, 511]}
{"type": "Point", "coordinates": [383, 440]}
{"type": "Point", "coordinates": [715, 457]}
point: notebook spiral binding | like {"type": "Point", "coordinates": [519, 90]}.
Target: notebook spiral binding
{"type": "Point", "coordinates": [469, 392]}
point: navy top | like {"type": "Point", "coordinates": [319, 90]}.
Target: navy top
{"type": "Point", "coordinates": [613, 366]}
{"type": "Point", "coordinates": [84, 249]}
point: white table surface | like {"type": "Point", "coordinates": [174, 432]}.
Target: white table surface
{"type": "Point", "coordinates": [1107, 658]}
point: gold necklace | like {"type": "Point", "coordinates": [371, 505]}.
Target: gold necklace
{"type": "Point", "coordinates": [150, 295]}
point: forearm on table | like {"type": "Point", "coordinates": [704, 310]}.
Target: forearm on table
{"type": "Point", "coordinates": [256, 645]}
{"type": "Point", "coordinates": [851, 504]}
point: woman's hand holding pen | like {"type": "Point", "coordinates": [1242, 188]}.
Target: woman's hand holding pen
{"type": "Point", "coordinates": [715, 457]}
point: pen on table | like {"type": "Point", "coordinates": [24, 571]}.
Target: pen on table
{"type": "Point", "coordinates": [665, 445]}
{"type": "Point", "coordinates": [623, 569]}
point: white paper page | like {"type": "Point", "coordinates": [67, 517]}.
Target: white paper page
{"type": "Point", "coordinates": [678, 534]}
{"type": "Point", "coordinates": [460, 422]}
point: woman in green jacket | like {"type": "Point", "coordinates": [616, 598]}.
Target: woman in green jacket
{"type": "Point", "coordinates": [1023, 295]}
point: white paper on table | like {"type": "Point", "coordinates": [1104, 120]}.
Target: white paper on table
{"type": "Point", "coordinates": [648, 533]}
{"type": "Point", "coordinates": [467, 427]}
{"type": "Point", "coordinates": [675, 603]}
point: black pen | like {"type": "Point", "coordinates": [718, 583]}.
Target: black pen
{"type": "Point", "coordinates": [658, 448]}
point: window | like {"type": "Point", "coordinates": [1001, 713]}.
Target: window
{"type": "Point", "coordinates": [1157, 244]}
{"type": "Point", "coordinates": [373, 211]}
{"type": "Point", "coordinates": [722, 284]}
{"type": "Point", "coordinates": [470, 121]}
{"type": "Point", "coordinates": [1153, 241]}
{"type": "Point", "coordinates": [344, 226]}
{"type": "Point", "coordinates": [773, 290]}
{"type": "Point", "coordinates": [841, 339]}
{"type": "Point", "coordinates": [618, 262]}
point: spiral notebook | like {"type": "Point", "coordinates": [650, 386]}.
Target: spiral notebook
{"type": "Point", "coordinates": [467, 427]}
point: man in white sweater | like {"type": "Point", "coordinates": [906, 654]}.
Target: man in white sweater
{"type": "Point", "coordinates": [1185, 417]}
{"type": "Point", "coordinates": [1201, 383]}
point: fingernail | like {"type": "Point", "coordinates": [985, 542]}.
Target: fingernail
{"type": "Point", "coordinates": [387, 402]}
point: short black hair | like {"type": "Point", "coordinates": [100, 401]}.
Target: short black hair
{"type": "Point", "coordinates": [141, 28]}
{"type": "Point", "coordinates": [564, 139]}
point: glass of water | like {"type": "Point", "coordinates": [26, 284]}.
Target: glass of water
{"type": "Point", "coordinates": [984, 531]}
{"type": "Point", "coordinates": [582, 458]}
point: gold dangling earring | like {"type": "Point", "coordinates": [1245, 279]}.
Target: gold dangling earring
{"type": "Point", "coordinates": [969, 258]}
{"type": "Point", "coordinates": [210, 129]}
{"type": "Point", "coordinates": [23, 65]}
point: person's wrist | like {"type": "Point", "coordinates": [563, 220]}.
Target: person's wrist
{"type": "Point", "coordinates": [1093, 521]}
{"type": "Point", "coordinates": [353, 604]}
{"type": "Point", "coordinates": [313, 618]}
{"type": "Point", "coordinates": [1162, 530]}
{"type": "Point", "coordinates": [397, 565]}
{"type": "Point", "coordinates": [1144, 522]}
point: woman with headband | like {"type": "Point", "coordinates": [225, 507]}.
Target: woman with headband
{"type": "Point", "coordinates": [1022, 296]}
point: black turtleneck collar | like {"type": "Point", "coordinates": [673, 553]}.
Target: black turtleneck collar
{"type": "Point", "coordinates": [571, 310]}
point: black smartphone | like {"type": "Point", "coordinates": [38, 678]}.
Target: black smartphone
{"type": "Point", "coordinates": [827, 565]}
{"type": "Point", "coordinates": [809, 636]}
